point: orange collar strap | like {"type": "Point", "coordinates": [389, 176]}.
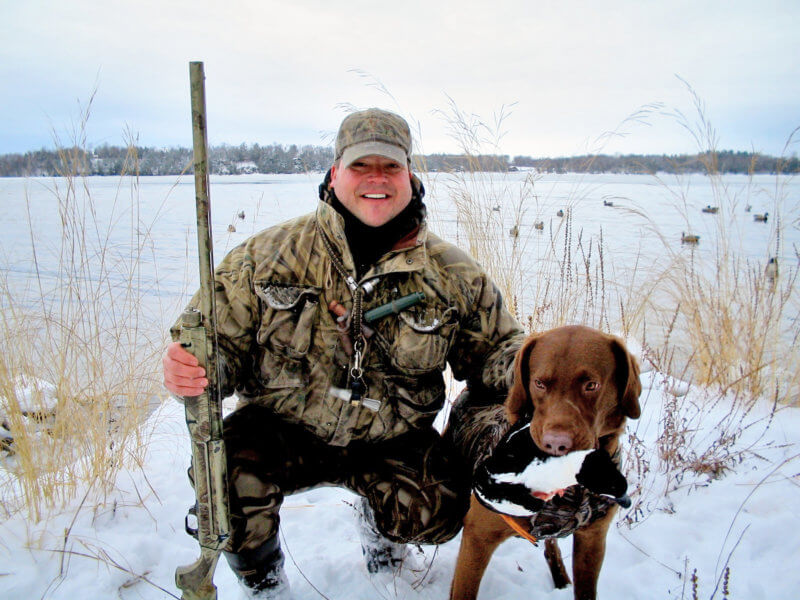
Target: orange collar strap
{"type": "Point", "coordinates": [511, 522]}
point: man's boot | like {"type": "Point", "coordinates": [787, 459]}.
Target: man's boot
{"type": "Point", "coordinates": [260, 571]}
{"type": "Point", "coordinates": [380, 554]}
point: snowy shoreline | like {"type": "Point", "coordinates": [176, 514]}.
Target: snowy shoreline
{"type": "Point", "coordinates": [128, 544]}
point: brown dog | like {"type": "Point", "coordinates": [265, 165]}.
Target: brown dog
{"type": "Point", "coordinates": [577, 385]}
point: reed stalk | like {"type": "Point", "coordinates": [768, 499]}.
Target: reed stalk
{"type": "Point", "coordinates": [80, 369]}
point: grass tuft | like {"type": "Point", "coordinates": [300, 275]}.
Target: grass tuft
{"type": "Point", "coordinates": [80, 371]}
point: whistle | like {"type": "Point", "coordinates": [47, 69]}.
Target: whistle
{"type": "Point", "coordinates": [393, 307]}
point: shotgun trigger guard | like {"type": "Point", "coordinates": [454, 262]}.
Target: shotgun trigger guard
{"type": "Point", "coordinates": [192, 512]}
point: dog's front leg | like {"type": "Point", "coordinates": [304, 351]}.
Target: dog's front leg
{"type": "Point", "coordinates": [483, 532]}
{"type": "Point", "coordinates": [588, 550]}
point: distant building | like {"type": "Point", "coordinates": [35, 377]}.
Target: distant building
{"type": "Point", "coordinates": [246, 167]}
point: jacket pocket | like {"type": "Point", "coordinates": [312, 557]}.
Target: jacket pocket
{"type": "Point", "coordinates": [423, 340]}
{"type": "Point", "coordinates": [288, 318]}
{"type": "Point", "coordinates": [415, 399]}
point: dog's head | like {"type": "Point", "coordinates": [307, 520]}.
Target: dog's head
{"type": "Point", "coordinates": [576, 385]}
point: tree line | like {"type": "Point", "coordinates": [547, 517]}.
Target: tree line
{"type": "Point", "coordinates": [278, 158]}
{"type": "Point", "coordinates": [135, 160]}
{"type": "Point", "coordinates": [724, 161]}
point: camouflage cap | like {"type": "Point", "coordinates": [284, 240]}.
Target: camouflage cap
{"type": "Point", "coordinates": [373, 131]}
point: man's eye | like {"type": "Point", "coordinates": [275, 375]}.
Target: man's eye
{"type": "Point", "coordinates": [539, 384]}
{"type": "Point", "coordinates": [592, 386]}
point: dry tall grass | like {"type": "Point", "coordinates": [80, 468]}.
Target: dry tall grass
{"type": "Point", "coordinates": [79, 368]}
{"type": "Point", "coordinates": [488, 210]}
{"type": "Point", "coordinates": [710, 318]}
{"type": "Point", "coordinates": [717, 319]}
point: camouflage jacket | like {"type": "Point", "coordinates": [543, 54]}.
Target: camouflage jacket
{"type": "Point", "coordinates": [279, 345]}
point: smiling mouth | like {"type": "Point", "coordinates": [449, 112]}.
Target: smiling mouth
{"type": "Point", "coordinates": [375, 196]}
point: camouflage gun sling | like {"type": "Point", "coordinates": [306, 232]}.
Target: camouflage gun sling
{"type": "Point", "coordinates": [204, 412]}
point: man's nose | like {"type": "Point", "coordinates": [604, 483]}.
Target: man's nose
{"type": "Point", "coordinates": [377, 173]}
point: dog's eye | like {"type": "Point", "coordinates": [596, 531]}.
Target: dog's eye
{"type": "Point", "coordinates": [591, 386]}
{"type": "Point", "coordinates": [539, 384]}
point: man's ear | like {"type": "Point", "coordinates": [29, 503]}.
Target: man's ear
{"type": "Point", "coordinates": [519, 401]}
{"type": "Point", "coordinates": [629, 387]}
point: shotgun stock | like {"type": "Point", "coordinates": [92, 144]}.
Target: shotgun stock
{"type": "Point", "coordinates": [204, 412]}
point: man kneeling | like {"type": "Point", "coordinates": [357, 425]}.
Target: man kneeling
{"type": "Point", "coordinates": [334, 330]}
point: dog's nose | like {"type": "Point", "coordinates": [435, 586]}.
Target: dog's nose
{"type": "Point", "coordinates": [557, 443]}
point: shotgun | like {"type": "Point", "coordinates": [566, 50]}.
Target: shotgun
{"type": "Point", "coordinates": [204, 412]}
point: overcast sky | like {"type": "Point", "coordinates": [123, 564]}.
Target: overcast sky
{"type": "Point", "coordinates": [563, 73]}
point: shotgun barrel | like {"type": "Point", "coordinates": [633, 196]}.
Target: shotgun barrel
{"type": "Point", "coordinates": [204, 412]}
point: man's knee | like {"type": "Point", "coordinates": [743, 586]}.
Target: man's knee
{"type": "Point", "coordinates": [412, 515]}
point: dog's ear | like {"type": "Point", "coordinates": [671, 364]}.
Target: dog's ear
{"type": "Point", "coordinates": [518, 403]}
{"type": "Point", "coordinates": [629, 387]}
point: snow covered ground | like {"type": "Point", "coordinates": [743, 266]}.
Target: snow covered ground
{"type": "Point", "coordinates": [128, 545]}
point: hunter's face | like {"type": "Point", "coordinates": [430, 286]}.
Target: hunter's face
{"type": "Point", "coordinates": [374, 188]}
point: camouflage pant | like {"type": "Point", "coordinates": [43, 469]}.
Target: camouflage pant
{"type": "Point", "coordinates": [417, 488]}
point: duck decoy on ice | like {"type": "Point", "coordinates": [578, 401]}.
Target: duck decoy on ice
{"type": "Point", "coordinates": [710, 209]}
{"type": "Point", "coordinates": [560, 213]}
{"type": "Point", "coordinates": [607, 203]}
{"type": "Point", "coordinates": [771, 270]}
{"type": "Point", "coordinates": [496, 208]}
{"type": "Point", "coordinates": [514, 231]}
{"type": "Point", "coordinates": [231, 228]}
{"type": "Point", "coordinates": [761, 218]}
{"type": "Point", "coordinates": [538, 225]}
{"type": "Point", "coordinates": [241, 215]}
{"type": "Point", "coordinates": [689, 238]}
{"type": "Point", "coordinates": [748, 208]}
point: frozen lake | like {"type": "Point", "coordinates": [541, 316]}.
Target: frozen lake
{"type": "Point", "coordinates": [149, 222]}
